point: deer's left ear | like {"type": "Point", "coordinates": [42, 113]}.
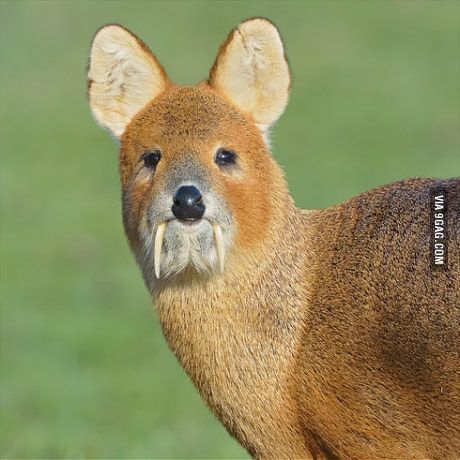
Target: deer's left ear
{"type": "Point", "coordinates": [251, 70]}
{"type": "Point", "coordinates": [123, 77]}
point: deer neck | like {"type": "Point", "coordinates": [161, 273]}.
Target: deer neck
{"type": "Point", "coordinates": [236, 334]}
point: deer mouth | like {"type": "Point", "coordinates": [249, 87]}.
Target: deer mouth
{"type": "Point", "coordinates": [189, 222]}
{"type": "Point", "coordinates": [160, 230]}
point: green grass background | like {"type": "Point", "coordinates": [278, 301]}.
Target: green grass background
{"type": "Point", "coordinates": [85, 371]}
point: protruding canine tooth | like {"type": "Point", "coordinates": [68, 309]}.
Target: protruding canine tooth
{"type": "Point", "coordinates": [219, 246]}
{"type": "Point", "coordinates": [158, 246]}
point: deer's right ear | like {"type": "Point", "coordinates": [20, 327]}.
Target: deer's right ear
{"type": "Point", "coordinates": [123, 77]}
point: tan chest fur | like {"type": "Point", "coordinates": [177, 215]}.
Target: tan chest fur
{"type": "Point", "coordinates": [310, 334]}
{"type": "Point", "coordinates": [208, 323]}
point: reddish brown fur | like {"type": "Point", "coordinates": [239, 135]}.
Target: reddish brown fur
{"type": "Point", "coordinates": [328, 335]}
{"type": "Point", "coordinates": [390, 375]}
{"type": "Point", "coordinates": [194, 120]}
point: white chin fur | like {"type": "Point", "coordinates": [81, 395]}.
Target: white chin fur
{"type": "Point", "coordinates": [173, 246]}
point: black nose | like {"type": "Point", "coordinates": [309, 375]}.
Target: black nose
{"type": "Point", "coordinates": [188, 203]}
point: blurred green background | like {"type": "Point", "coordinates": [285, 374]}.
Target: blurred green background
{"type": "Point", "coordinates": [85, 371]}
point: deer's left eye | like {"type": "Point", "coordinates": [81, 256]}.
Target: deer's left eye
{"type": "Point", "coordinates": [151, 159]}
{"type": "Point", "coordinates": [225, 157]}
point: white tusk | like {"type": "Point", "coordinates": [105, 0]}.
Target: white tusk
{"type": "Point", "coordinates": [158, 246]}
{"type": "Point", "coordinates": [219, 246]}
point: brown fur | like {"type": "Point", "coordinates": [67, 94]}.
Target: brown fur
{"type": "Point", "coordinates": [328, 335]}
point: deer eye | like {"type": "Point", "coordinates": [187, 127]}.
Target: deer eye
{"type": "Point", "coordinates": [225, 157]}
{"type": "Point", "coordinates": [151, 159]}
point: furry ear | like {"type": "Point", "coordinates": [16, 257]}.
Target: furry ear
{"type": "Point", "coordinates": [123, 76]}
{"type": "Point", "coordinates": [251, 69]}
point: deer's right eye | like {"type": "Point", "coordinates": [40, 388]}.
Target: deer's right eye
{"type": "Point", "coordinates": [151, 159]}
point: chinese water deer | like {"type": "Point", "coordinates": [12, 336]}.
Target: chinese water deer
{"type": "Point", "coordinates": [311, 334]}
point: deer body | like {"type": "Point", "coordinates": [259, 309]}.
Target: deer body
{"type": "Point", "coordinates": [310, 334]}
{"type": "Point", "coordinates": [303, 389]}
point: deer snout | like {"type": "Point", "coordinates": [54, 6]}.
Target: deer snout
{"type": "Point", "coordinates": [188, 203]}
